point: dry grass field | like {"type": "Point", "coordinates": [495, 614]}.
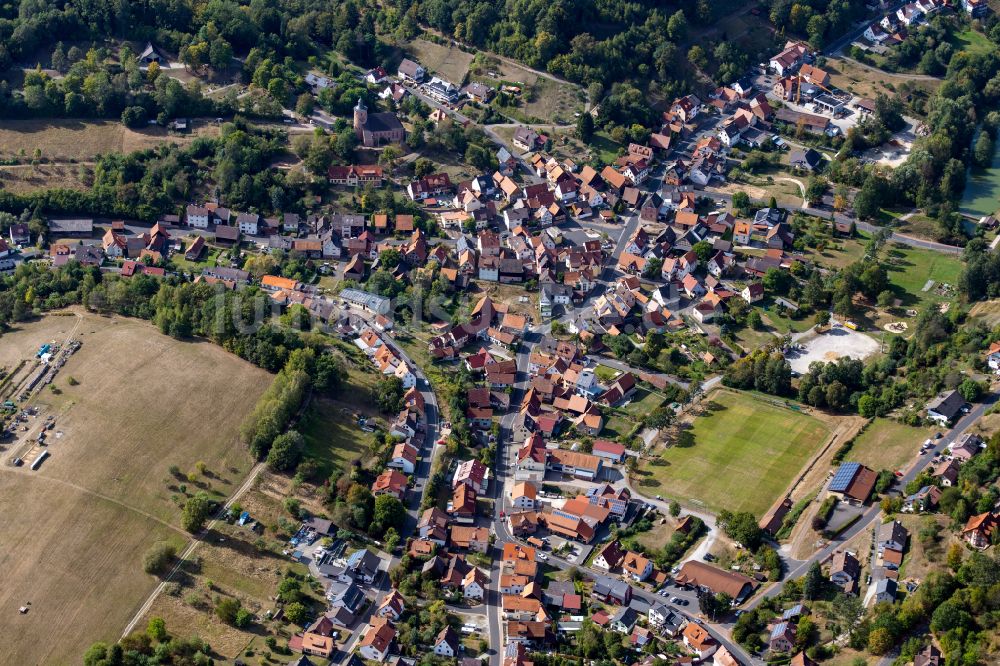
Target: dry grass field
{"type": "Point", "coordinates": [236, 567]}
{"type": "Point", "coordinates": [76, 530]}
{"type": "Point", "coordinates": [866, 82]}
{"type": "Point", "coordinates": [447, 62]}
{"type": "Point", "coordinates": [61, 140]}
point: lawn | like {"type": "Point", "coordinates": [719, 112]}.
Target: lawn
{"type": "Point", "coordinates": [143, 402]}
{"type": "Point", "coordinates": [840, 253]}
{"type": "Point", "coordinates": [605, 374]}
{"type": "Point", "coordinates": [910, 269]}
{"type": "Point", "coordinates": [208, 258]}
{"type": "Point", "coordinates": [643, 402]}
{"type": "Point", "coordinates": [743, 442]}
{"type": "Point", "coordinates": [553, 101]}
{"type": "Point", "coordinates": [888, 444]}
{"type": "Point", "coordinates": [971, 41]}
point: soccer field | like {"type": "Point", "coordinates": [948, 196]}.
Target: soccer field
{"type": "Point", "coordinates": [740, 455]}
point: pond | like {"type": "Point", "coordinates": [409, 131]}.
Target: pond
{"type": "Point", "coordinates": [982, 189]}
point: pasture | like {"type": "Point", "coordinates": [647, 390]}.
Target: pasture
{"type": "Point", "coordinates": [741, 442]}
{"type": "Point", "coordinates": [142, 404]}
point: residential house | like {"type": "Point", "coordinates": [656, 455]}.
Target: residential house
{"type": "Point", "coordinates": [411, 71]}
{"type": "Point", "coordinates": [637, 566]}
{"type": "Point", "coordinates": [473, 474]}
{"type": "Point", "coordinates": [475, 539]}
{"type": "Point", "coordinates": [446, 643]}
{"type": "Point", "coordinates": [523, 496]}
{"type": "Point", "coordinates": [666, 620]}
{"type": "Point", "coordinates": [845, 570]}
{"type": "Point", "coordinates": [612, 591]}
{"type": "Point", "coordinates": [391, 606]}
{"type": "Point", "coordinates": [782, 638]}
{"type": "Point", "coordinates": [891, 535]}
{"type": "Point", "coordinates": [789, 59]}
{"type": "Point", "coordinates": [979, 531]}
{"type": "Point", "coordinates": [377, 639]}
{"type": "Point", "coordinates": [611, 556]}
{"type": "Point", "coordinates": [882, 590]}
{"type": "Point", "coordinates": [697, 639]}
{"type": "Point", "coordinates": [474, 584]}
{"type": "Point", "coordinates": [624, 619]}
{"type": "Point", "coordinates": [715, 580]}
{"type": "Point", "coordinates": [390, 482]}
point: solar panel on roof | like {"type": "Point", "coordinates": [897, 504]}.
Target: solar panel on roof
{"type": "Point", "coordinates": [842, 479]}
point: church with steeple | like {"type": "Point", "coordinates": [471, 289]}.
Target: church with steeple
{"type": "Point", "coordinates": [376, 129]}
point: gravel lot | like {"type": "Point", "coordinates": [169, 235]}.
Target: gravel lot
{"type": "Point", "coordinates": [829, 346]}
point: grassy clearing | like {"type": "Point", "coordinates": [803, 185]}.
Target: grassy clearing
{"type": "Point", "coordinates": [77, 558]}
{"type": "Point", "coordinates": [888, 444]}
{"type": "Point", "coordinates": [865, 82]}
{"type": "Point", "coordinates": [72, 140]}
{"type": "Point", "coordinates": [971, 41]}
{"type": "Point", "coordinates": [232, 560]}
{"type": "Point", "coordinates": [733, 445]}
{"type": "Point", "coordinates": [446, 62]}
{"type": "Point", "coordinates": [553, 101]}
{"type": "Point", "coordinates": [643, 402]}
{"type": "Point", "coordinates": [910, 268]}
{"type": "Point", "coordinates": [332, 436]}
{"type": "Point", "coordinates": [143, 403]}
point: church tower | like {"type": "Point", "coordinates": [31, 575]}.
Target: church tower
{"type": "Point", "coordinates": [360, 119]}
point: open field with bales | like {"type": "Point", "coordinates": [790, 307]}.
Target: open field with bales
{"type": "Point", "coordinates": [735, 443]}
{"type": "Point", "coordinates": [141, 420]}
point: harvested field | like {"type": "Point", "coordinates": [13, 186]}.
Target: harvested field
{"type": "Point", "coordinates": [77, 529]}
{"type": "Point", "coordinates": [61, 140]}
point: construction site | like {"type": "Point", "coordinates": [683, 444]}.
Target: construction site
{"type": "Point", "coordinates": [24, 436]}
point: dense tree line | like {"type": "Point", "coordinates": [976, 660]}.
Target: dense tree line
{"type": "Point", "coordinates": [144, 184]}
{"type": "Point", "coordinates": [149, 648]}
{"type": "Point", "coordinates": [763, 370]}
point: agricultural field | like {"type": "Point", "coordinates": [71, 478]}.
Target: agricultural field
{"type": "Point", "coordinates": [138, 404]}
{"type": "Point", "coordinates": [733, 445]}
{"type": "Point", "coordinates": [888, 444]}
{"type": "Point", "coordinates": [447, 62]}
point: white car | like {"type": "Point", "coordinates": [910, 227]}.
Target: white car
{"type": "Point", "coordinates": [543, 557]}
